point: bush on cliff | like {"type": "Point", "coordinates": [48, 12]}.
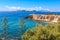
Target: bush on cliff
{"type": "Point", "coordinates": [49, 32]}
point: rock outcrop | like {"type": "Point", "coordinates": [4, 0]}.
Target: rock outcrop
{"type": "Point", "coordinates": [45, 17]}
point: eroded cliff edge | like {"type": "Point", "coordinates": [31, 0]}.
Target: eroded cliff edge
{"type": "Point", "coordinates": [45, 17]}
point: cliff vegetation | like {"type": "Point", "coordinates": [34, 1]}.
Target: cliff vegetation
{"type": "Point", "coordinates": [48, 32]}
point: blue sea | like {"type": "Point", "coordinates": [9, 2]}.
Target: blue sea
{"type": "Point", "coordinates": [13, 19]}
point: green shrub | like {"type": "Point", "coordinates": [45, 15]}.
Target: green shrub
{"type": "Point", "coordinates": [48, 32]}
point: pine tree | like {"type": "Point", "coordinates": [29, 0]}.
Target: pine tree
{"type": "Point", "coordinates": [21, 27]}
{"type": "Point", "coordinates": [4, 25]}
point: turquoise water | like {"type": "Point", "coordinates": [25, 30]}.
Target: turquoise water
{"type": "Point", "coordinates": [13, 19]}
{"type": "Point", "coordinates": [13, 26]}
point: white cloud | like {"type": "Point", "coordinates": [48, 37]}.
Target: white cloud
{"type": "Point", "coordinates": [35, 8]}
{"type": "Point", "coordinates": [14, 8]}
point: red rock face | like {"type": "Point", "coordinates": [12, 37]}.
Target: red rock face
{"type": "Point", "coordinates": [52, 18]}
{"type": "Point", "coordinates": [47, 17]}
{"type": "Point", "coordinates": [59, 19]}
{"type": "Point", "coordinates": [41, 17]}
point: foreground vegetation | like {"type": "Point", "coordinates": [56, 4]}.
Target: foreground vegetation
{"type": "Point", "coordinates": [48, 32]}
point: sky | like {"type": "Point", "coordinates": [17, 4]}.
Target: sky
{"type": "Point", "coordinates": [13, 5]}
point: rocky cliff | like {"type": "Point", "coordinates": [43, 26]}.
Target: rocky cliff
{"type": "Point", "coordinates": [45, 17]}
